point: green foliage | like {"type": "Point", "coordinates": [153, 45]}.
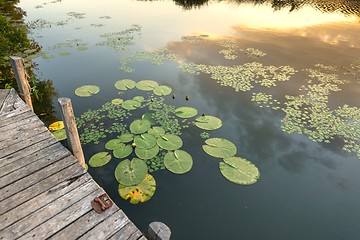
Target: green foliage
{"type": "Point", "coordinates": [208, 122]}
{"type": "Point", "coordinates": [169, 142]}
{"type": "Point", "coordinates": [99, 159]}
{"type": "Point", "coordinates": [87, 90]}
{"type": "Point", "coordinates": [125, 84]}
{"type": "Point", "coordinates": [186, 112]}
{"type": "Point", "coordinates": [178, 162]}
{"type": "Point", "coordinates": [147, 85]}
{"type": "Point", "coordinates": [239, 170]}
{"type": "Point", "coordinates": [122, 151]}
{"type": "Point", "coordinates": [140, 126]}
{"type": "Point", "coordinates": [219, 148]}
{"type": "Point", "coordinates": [132, 172]}
{"type": "Point", "coordinates": [162, 90]}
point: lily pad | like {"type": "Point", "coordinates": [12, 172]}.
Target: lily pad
{"type": "Point", "coordinates": [170, 142]}
{"type": "Point", "coordinates": [139, 98]}
{"type": "Point", "coordinates": [178, 162]}
{"type": "Point", "coordinates": [113, 144]}
{"type": "Point", "coordinates": [59, 134]}
{"type": "Point", "coordinates": [131, 104]}
{"type": "Point", "coordinates": [140, 126]}
{"type": "Point", "coordinates": [144, 153]}
{"type": "Point", "coordinates": [126, 137]}
{"type": "Point", "coordinates": [147, 85]}
{"type": "Point", "coordinates": [99, 159]}
{"type": "Point", "coordinates": [156, 131]}
{"type": "Point", "coordinates": [132, 172]}
{"type": "Point", "coordinates": [162, 90]}
{"type": "Point", "coordinates": [186, 112]}
{"type": "Point", "coordinates": [239, 170]}
{"type": "Point", "coordinates": [208, 122]}
{"type": "Point", "coordinates": [125, 84]}
{"type": "Point", "coordinates": [117, 101]}
{"type": "Point", "coordinates": [56, 126]}
{"type": "Point", "coordinates": [145, 140]}
{"type": "Point", "coordinates": [87, 90]}
{"type": "Point", "coordinates": [219, 148]}
{"type": "Point", "coordinates": [141, 192]}
{"type": "Point", "coordinates": [148, 116]}
{"type": "Point", "coordinates": [123, 151]}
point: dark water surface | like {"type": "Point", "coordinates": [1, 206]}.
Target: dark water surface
{"type": "Point", "coordinates": [307, 189]}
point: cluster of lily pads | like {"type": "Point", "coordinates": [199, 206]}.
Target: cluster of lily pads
{"type": "Point", "coordinates": [195, 39]}
{"type": "Point", "coordinates": [153, 142]}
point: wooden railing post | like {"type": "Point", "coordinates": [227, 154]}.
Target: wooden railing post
{"type": "Point", "coordinates": [71, 129]}
{"type": "Point", "coordinates": [18, 67]}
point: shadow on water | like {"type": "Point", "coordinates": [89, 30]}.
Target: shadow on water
{"type": "Point", "coordinates": [15, 42]}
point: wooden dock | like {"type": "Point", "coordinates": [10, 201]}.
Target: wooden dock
{"type": "Point", "coordinates": [44, 191]}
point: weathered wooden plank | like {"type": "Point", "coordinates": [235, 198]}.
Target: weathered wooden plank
{"type": "Point", "coordinates": [31, 158]}
{"type": "Point", "coordinates": [3, 95]}
{"type": "Point", "coordinates": [12, 103]}
{"type": "Point", "coordinates": [37, 176]}
{"type": "Point", "coordinates": [15, 156]}
{"type": "Point", "coordinates": [11, 131]}
{"type": "Point", "coordinates": [107, 228]}
{"type": "Point", "coordinates": [14, 136]}
{"type": "Point", "coordinates": [84, 224]}
{"type": "Point", "coordinates": [23, 144]}
{"type": "Point", "coordinates": [71, 172]}
{"type": "Point", "coordinates": [41, 200]}
{"type": "Point", "coordinates": [15, 116]}
{"type": "Point", "coordinates": [47, 212]}
{"type": "Point", "coordinates": [36, 165]}
{"type": "Point", "coordinates": [142, 238]}
{"type": "Point", "coordinates": [128, 232]}
{"type": "Point", "coordinates": [64, 218]}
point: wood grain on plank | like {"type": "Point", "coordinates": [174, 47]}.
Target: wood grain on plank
{"type": "Point", "coordinates": [70, 172]}
{"type": "Point", "coordinates": [41, 200]}
{"type": "Point", "coordinates": [49, 211]}
{"type": "Point", "coordinates": [128, 232]}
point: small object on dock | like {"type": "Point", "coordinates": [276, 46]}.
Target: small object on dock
{"type": "Point", "coordinates": [101, 203]}
{"type": "Point", "coordinates": [158, 231]}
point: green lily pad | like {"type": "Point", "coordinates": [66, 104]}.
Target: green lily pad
{"type": "Point", "coordinates": [87, 90]}
{"type": "Point", "coordinates": [219, 148]}
{"type": "Point", "coordinates": [208, 122]}
{"type": "Point", "coordinates": [125, 84]}
{"type": "Point", "coordinates": [148, 116]}
{"type": "Point", "coordinates": [126, 137]}
{"type": "Point", "coordinates": [178, 162]}
{"type": "Point", "coordinates": [131, 104]}
{"type": "Point", "coordinates": [132, 172]}
{"type": "Point", "coordinates": [113, 144]}
{"type": "Point", "coordinates": [59, 134]}
{"type": "Point", "coordinates": [123, 151]}
{"type": "Point", "coordinates": [186, 112]}
{"type": "Point", "coordinates": [139, 98]}
{"type": "Point", "coordinates": [144, 153]}
{"type": "Point", "coordinates": [145, 140]}
{"type": "Point", "coordinates": [141, 192]}
{"type": "Point", "coordinates": [162, 90]}
{"type": "Point", "coordinates": [170, 142]}
{"type": "Point", "coordinates": [140, 126]}
{"type": "Point", "coordinates": [239, 170]}
{"type": "Point", "coordinates": [117, 101]}
{"type": "Point", "coordinates": [147, 85]}
{"type": "Point", "coordinates": [156, 131]}
{"type": "Point", "coordinates": [99, 159]}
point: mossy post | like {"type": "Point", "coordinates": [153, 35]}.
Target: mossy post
{"type": "Point", "coordinates": [18, 67]}
{"type": "Point", "coordinates": [71, 129]}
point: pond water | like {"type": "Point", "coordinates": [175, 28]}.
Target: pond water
{"type": "Point", "coordinates": [283, 78]}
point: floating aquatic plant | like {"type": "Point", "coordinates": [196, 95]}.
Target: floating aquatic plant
{"type": "Point", "coordinates": [219, 148]}
{"type": "Point", "coordinates": [141, 192]}
{"type": "Point", "coordinates": [99, 159]}
{"type": "Point", "coordinates": [252, 52]}
{"type": "Point", "coordinates": [147, 85]}
{"type": "Point", "coordinates": [87, 90]}
{"type": "Point", "coordinates": [242, 77]}
{"type": "Point", "coordinates": [230, 51]}
{"type": "Point", "coordinates": [132, 172]}
{"type": "Point", "coordinates": [208, 122]}
{"type": "Point", "coordinates": [239, 170]}
{"type": "Point", "coordinates": [186, 112]}
{"type": "Point", "coordinates": [195, 39]}
{"type": "Point", "coordinates": [178, 162]}
{"type": "Point", "coordinates": [265, 100]}
{"type": "Point", "coordinates": [125, 84]}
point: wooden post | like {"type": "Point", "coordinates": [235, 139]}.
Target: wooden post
{"type": "Point", "coordinates": [158, 231]}
{"type": "Point", "coordinates": [18, 67]}
{"type": "Point", "coordinates": [71, 129]}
